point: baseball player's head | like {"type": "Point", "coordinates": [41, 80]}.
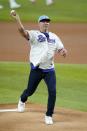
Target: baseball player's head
{"type": "Point", "coordinates": [44, 23]}
{"type": "Point", "coordinates": [44, 18]}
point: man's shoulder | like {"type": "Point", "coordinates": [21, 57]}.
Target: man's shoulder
{"type": "Point", "coordinates": [33, 31]}
{"type": "Point", "coordinates": [53, 34]}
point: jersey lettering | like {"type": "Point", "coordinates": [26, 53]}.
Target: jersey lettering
{"type": "Point", "coordinates": [41, 38]}
{"type": "Point", "coordinates": [51, 41]}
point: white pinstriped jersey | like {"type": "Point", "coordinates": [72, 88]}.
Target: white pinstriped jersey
{"type": "Point", "coordinates": [43, 50]}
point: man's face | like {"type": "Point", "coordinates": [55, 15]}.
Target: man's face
{"type": "Point", "coordinates": [44, 25]}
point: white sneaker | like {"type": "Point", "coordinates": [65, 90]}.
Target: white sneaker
{"type": "Point", "coordinates": [14, 5]}
{"type": "Point", "coordinates": [1, 6]}
{"type": "Point", "coordinates": [21, 106]}
{"type": "Point", "coordinates": [33, 1]}
{"type": "Point", "coordinates": [48, 120]}
{"type": "Point", "coordinates": [49, 2]}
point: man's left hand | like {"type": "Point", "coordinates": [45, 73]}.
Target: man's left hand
{"type": "Point", "coordinates": [63, 52]}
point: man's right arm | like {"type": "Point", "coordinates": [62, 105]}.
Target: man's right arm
{"type": "Point", "coordinates": [21, 28]}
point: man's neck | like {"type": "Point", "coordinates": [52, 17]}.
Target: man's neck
{"type": "Point", "coordinates": [45, 31]}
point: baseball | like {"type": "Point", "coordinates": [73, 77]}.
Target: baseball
{"type": "Point", "coordinates": [13, 12]}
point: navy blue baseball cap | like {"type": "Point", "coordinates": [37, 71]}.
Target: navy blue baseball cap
{"type": "Point", "coordinates": [44, 18]}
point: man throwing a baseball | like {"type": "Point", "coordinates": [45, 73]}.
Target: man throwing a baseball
{"type": "Point", "coordinates": [43, 44]}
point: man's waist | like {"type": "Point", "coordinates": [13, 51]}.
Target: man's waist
{"type": "Point", "coordinates": [43, 68]}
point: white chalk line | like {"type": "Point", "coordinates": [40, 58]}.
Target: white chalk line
{"type": "Point", "coordinates": [9, 110]}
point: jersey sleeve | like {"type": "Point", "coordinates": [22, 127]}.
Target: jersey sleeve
{"type": "Point", "coordinates": [59, 44]}
{"type": "Point", "coordinates": [31, 35]}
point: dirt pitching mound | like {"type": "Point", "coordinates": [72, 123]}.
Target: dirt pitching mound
{"type": "Point", "coordinates": [33, 119]}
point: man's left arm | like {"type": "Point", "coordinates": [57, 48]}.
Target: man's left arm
{"type": "Point", "coordinates": [60, 47]}
{"type": "Point", "coordinates": [62, 52]}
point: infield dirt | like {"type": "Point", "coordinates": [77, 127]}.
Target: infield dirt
{"type": "Point", "coordinates": [15, 48]}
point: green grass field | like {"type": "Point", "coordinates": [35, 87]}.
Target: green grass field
{"type": "Point", "coordinates": [60, 11]}
{"type": "Point", "coordinates": [71, 85]}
